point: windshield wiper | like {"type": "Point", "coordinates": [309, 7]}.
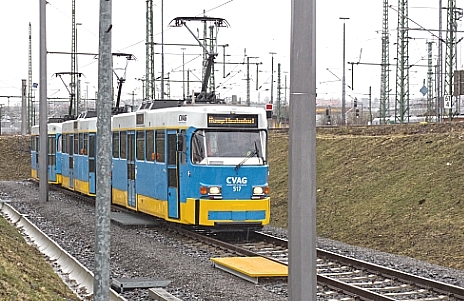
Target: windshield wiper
{"type": "Point", "coordinates": [255, 152]}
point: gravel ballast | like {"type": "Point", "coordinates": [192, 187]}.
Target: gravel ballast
{"type": "Point", "coordinates": [149, 253]}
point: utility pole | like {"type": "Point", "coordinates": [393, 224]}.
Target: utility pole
{"type": "Point", "coordinates": [24, 107]}
{"type": "Point", "coordinates": [73, 59]}
{"type": "Point", "coordinates": [248, 101]}
{"type": "Point", "coordinates": [272, 76]}
{"type": "Point", "coordinates": [450, 51]}
{"type": "Point", "coordinates": [279, 88]}
{"type": "Point", "coordinates": [162, 49]}
{"type": "Point", "coordinates": [212, 43]}
{"type": "Point", "coordinates": [439, 88]}
{"type": "Point", "coordinates": [183, 73]}
{"type": "Point", "coordinates": [150, 54]}
{"type": "Point", "coordinates": [29, 83]}
{"type": "Point", "coordinates": [343, 76]}
{"type": "Point", "coordinates": [402, 65]}
{"type": "Point", "coordinates": [385, 71]}
{"type": "Point", "coordinates": [429, 82]}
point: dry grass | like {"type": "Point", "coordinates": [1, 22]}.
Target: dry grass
{"type": "Point", "coordinates": [397, 189]}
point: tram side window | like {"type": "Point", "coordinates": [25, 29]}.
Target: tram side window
{"type": "Point", "coordinates": [85, 147]}
{"type": "Point", "coordinates": [70, 145]}
{"type": "Point", "coordinates": [37, 144]}
{"type": "Point", "coordinates": [76, 144]}
{"type": "Point", "coordinates": [116, 145]}
{"type": "Point", "coordinates": [59, 144]}
{"type": "Point", "coordinates": [92, 153]}
{"type": "Point", "coordinates": [64, 148]}
{"type": "Point", "coordinates": [183, 151]}
{"type": "Point", "coordinates": [51, 150]}
{"type": "Point", "coordinates": [33, 143]}
{"type": "Point", "coordinates": [150, 150]}
{"type": "Point", "coordinates": [159, 146]}
{"type": "Point", "coordinates": [140, 145]}
{"type": "Point", "coordinates": [81, 144]}
{"type": "Point", "coordinates": [123, 145]}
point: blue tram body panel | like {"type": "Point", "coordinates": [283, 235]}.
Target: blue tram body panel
{"type": "Point", "coordinates": [54, 169]}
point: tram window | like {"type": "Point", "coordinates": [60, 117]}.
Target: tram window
{"type": "Point", "coordinates": [198, 149]}
{"type": "Point", "coordinates": [123, 145]}
{"type": "Point", "coordinates": [59, 144]}
{"type": "Point", "coordinates": [64, 148]}
{"type": "Point", "coordinates": [81, 144]}
{"type": "Point", "coordinates": [140, 145]}
{"type": "Point", "coordinates": [92, 153]}
{"type": "Point", "coordinates": [183, 153]}
{"type": "Point", "coordinates": [116, 145]}
{"type": "Point", "coordinates": [85, 147]}
{"type": "Point", "coordinates": [32, 144]}
{"type": "Point", "coordinates": [150, 153]}
{"type": "Point", "coordinates": [51, 144]}
{"type": "Point", "coordinates": [37, 144]}
{"type": "Point", "coordinates": [172, 151]}
{"type": "Point", "coordinates": [76, 143]}
{"type": "Point", "coordinates": [91, 146]}
{"type": "Point", "coordinates": [70, 145]}
{"type": "Point", "coordinates": [159, 146]}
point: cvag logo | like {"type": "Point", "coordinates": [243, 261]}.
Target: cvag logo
{"type": "Point", "coordinates": [236, 180]}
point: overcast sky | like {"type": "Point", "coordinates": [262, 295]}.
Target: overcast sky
{"type": "Point", "coordinates": [259, 26]}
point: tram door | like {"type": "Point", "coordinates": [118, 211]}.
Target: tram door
{"type": "Point", "coordinates": [91, 152]}
{"type": "Point", "coordinates": [131, 169]}
{"type": "Point", "coordinates": [51, 158]}
{"type": "Point", "coordinates": [173, 178]}
{"type": "Point", "coordinates": [71, 159]}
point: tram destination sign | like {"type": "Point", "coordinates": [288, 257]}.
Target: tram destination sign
{"type": "Point", "coordinates": [233, 120]}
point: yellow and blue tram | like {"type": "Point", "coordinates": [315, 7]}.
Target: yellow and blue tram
{"type": "Point", "coordinates": [199, 165]}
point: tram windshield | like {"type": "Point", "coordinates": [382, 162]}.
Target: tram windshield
{"type": "Point", "coordinates": [229, 147]}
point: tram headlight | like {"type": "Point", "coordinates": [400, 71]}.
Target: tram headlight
{"type": "Point", "coordinates": [211, 190]}
{"type": "Point", "coordinates": [260, 190]}
{"type": "Point", "coordinates": [214, 190]}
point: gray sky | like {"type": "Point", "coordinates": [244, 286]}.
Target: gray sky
{"type": "Point", "coordinates": [260, 26]}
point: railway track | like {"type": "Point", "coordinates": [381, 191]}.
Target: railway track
{"type": "Point", "coordinates": [337, 274]}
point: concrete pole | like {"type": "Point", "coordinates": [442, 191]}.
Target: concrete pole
{"type": "Point", "coordinates": [43, 110]}
{"type": "Point", "coordinates": [24, 115]}
{"type": "Point", "coordinates": [302, 281]}
{"type": "Point", "coordinates": [103, 197]}
{"type": "Point", "coordinates": [344, 77]}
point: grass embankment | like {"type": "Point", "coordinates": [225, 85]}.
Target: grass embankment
{"type": "Point", "coordinates": [24, 273]}
{"type": "Point", "coordinates": [396, 189]}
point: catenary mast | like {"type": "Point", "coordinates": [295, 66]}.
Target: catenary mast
{"type": "Point", "coordinates": [402, 65]}
{"type": "Point", "coordinates": [450, 58]}
{"type": "Point", "coordinates": [385, 71]}
{"type": "Point", "coordinates": [73, 59]}
{"type": "Point", "coordinates": [150, 54]}
{"type": "Point", "coordinates": [29, 83]}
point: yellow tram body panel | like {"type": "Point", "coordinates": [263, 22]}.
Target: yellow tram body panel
{"type": "Point", "coordinates": [82, 187]}
{"type": "Point", "coordinates": [159, 208]}
{"type": "Point", "coordinates": [66, 183]}
{"type": "Point", "coordinates": [34, 174]}
{"type": "Point", "coordinates": [119, 197]}
{"type": "Point", "coordinates": [207, 206]}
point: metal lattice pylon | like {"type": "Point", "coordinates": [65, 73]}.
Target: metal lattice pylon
{"type": "Point", "coordinates": [402, 65]}
{"type": "Point", "coordinates": [150, 54]}
{"type": "Point", "coordinates": [385, 65]}
{"type": "Point", "coordinates": [450, 49]}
